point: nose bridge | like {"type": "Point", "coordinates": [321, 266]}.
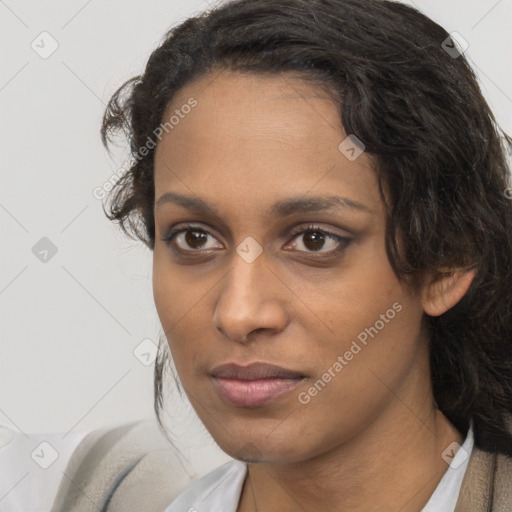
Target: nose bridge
{"type": "Point", "coordinates": [249, 299]}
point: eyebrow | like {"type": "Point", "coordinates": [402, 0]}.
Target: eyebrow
{"type": "Point", "coordinates": [282, 208]}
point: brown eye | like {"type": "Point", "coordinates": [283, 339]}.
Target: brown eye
{"type": "Point", "coordinates": [314, 240]}
{"type": "Point", "coordinates": [195, 239]}
{"type": "Point", "coordinates": [191, 239]}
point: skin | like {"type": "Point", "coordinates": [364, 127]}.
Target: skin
{"type": "Point", "coordinates": [372, 439]}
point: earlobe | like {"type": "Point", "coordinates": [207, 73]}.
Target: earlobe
{"type": "Point", "coordinates": [441, 294]}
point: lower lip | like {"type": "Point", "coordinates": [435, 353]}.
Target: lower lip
{"type": "Point", "coordinates": [252, 393]}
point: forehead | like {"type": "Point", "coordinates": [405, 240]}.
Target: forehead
{"type": "Point", "coordinates": [274, 108]}
{"type": "Point", "coordinates": [257, 135]}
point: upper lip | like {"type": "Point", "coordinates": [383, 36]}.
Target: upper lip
{"type": "Point", "coordinates": [254, 371]}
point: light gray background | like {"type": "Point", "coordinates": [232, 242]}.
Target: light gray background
{"type": "Point", "coordinates": [69, 326]}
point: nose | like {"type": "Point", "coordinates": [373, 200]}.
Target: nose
{"type": "Point", "coordinates": [251, 298]}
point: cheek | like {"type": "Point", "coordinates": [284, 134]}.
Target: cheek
{"type": "Point", "coordinates": [374, 326]}
{"type": "Point", "coordinates": [174, 294]}
{"type": "Point", "coordinates": [171, 300]}
{"type": "Point", "coordinates": [357, 380]}
{"type": "Point", "coordinates": [354, 296]}
{"type": "Point", "coordinates": [180, 306]}
{"type": "Point", "coordinates": [163, 290]}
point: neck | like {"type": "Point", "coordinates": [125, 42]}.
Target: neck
{"type": "Point", "coordinates": [393, 464]}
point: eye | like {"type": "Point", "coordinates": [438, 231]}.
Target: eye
{"type": "Point", "coordinates": [190, 239]}
{"type": "Point", "coordinates": [313, 239]}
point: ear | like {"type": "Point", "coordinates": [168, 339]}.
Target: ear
{"type": "Point", "coordinates": [441, 294]}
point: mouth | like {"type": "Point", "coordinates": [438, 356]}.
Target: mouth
{"type": "Point", "coordinates": [253, 385]}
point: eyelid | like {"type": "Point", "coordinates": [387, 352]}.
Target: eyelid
{"type": "Point", "coordinates": [295, 233]}
{"type": "Point", "coordinates": [171, 234]}
{"type": "Point", "coordinates": [341, 240]}
{"type": "Point", "coordinates": [314, 226]}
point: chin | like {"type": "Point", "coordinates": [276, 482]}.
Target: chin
{"type": "Point", "coordinates": [261, 450]}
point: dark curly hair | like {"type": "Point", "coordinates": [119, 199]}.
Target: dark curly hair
{"type": "Point", "coordinates": [406, 90]}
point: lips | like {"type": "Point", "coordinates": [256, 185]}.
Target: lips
{"type": "Point", "coordinates": [254, 371]}
{"type": "Point", "coordinates": [253, 385]}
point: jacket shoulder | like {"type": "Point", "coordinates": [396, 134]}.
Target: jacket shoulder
{"type": "Point", "coordinates": [487, 484]}
{"type": "Point", "coordinates": [502, 495]}
{"type": "Point", "coordinates": [131, 467]}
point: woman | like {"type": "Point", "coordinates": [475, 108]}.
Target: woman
{"type": "Point", "coordinates": [323, 187]}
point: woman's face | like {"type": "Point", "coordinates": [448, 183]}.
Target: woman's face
{"type": "Point", "coordinates": [284, 263]}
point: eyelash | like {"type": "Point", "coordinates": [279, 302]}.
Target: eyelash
{"type": "Point", "coordinates": [341, 240]}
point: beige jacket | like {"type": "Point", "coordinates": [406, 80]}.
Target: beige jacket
{"type": "Point", "coordinates": [487, 484]}
{"type": "Point", "coordinates": [133, 468]}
